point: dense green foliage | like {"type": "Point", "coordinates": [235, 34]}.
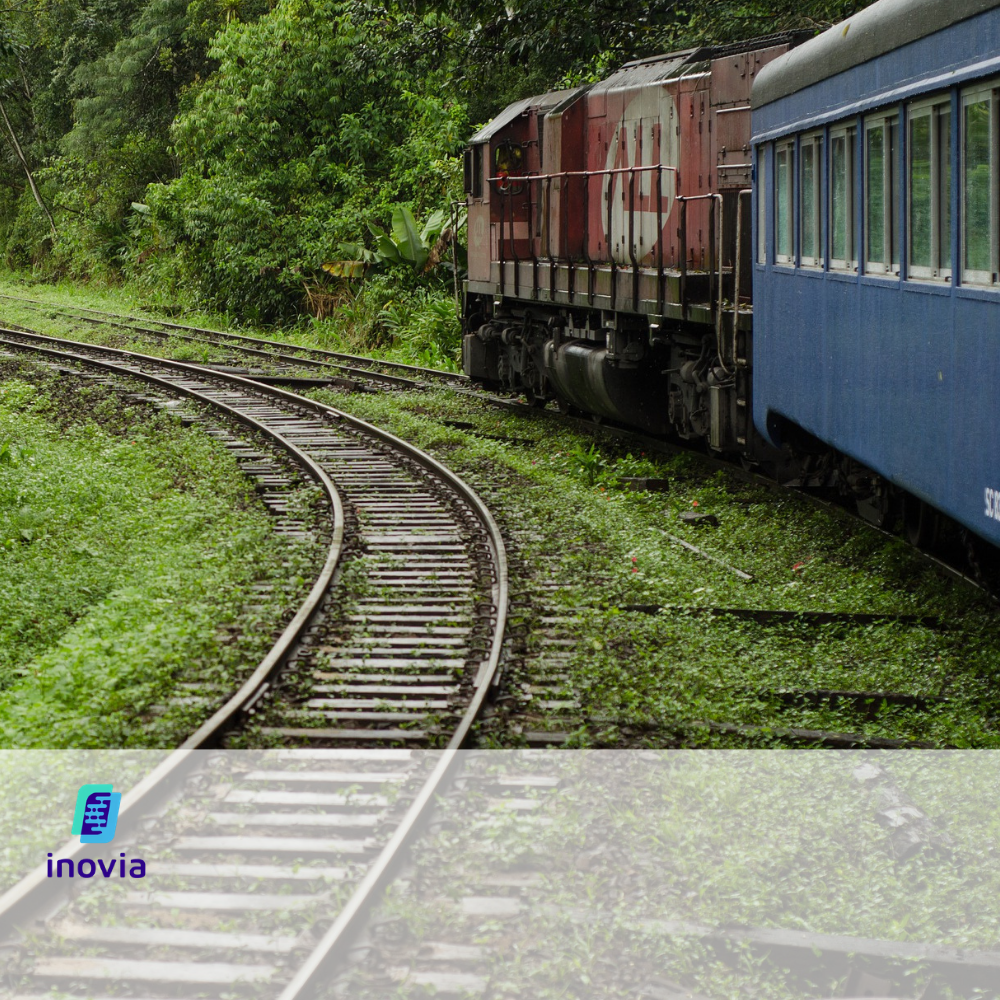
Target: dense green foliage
{"type": "Point", "coordinates": [224, 151]}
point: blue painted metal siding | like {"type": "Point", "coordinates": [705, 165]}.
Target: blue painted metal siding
{"type": "Point", "coordinates": [900, 374]}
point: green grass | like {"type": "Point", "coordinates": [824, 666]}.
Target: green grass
{"type": "Point", "coordinates": [128, 547]}
{"type": "Point", "coordinates": [741, 839]}
{"type": "Point", "coordinates": [651, 679]}
{"type": "Point", "coordinates": [417, 327]}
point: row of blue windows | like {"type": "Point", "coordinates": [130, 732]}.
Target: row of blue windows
{"type": "Point", "coordinates": [878, 194]}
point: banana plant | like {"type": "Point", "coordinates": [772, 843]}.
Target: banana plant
{"type": "Point", "coordinates": [405, 244]}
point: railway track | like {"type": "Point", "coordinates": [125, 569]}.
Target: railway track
{"type": "Point", "coordinates": [279, 356]}
{"type": "Point", "coordinates": [411, 660]}
{"type": "Point", "coordinates": [514, 876]}
{"type": "Point", "coordinates": [412, 664]}
{"type": "Point", "coordinates": [533, 890]}
{"type": "Point", "coordinates": [361, 372]}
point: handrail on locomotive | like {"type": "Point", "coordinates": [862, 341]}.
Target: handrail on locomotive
{"type": "Point", "coordinates": [507, 185]}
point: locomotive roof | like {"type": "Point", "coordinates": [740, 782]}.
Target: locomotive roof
{"type": "Point", "coordinates": [543, 103]}
{"type": "Point", "coordinates": [638, 72]}
{"type": "Point", "coordinates": [874, 31]}
{"type": "Point", "coordinates": [645, 71]}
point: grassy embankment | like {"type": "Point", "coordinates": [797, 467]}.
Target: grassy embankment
{"type": "Point", "coordinates": [128, 549]}
{"type": "Point", "coordinates": [743, 840]}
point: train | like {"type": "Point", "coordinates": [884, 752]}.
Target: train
{"type": "Point", "coordinates": [784, 252]}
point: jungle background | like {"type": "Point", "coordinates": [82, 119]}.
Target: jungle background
{"type": "Point", "coordinates": [232, 155]}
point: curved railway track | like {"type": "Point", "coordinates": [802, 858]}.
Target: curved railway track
{"type": "Point", "coordinates": [414, 660]}
{"type": "Point", "coordinates": [263, 869]}
{"type": "Point", "coordinates": [412, 664]}
{"type": "Point", "coordinates": [372, 372]}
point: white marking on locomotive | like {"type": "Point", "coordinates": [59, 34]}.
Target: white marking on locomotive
{"type": "Point", "coordinates": [479, 232]}
{"type": "Point", "coordinates": [644, 136]}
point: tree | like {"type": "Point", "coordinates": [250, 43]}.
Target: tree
{"type": "Point", "coordinates": [10, 57]}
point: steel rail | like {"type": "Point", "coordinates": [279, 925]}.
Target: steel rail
{"type": "Point", "coordinates": [431, 465]}
{"type": "Point", "coordinates": [227, 335]}
{"type": "Point", "coordinates": [24, 896]}
{"type": "Point", "coordinates": [156, 783]}
{"type": "Point", "coordinates": [625, 433]}
{"type": "Point", "coordinates": [656, 444]}
{"type": "Point", "coordinates": [207, 735]}
{"type": "Point", "coordinates": [274, 353]}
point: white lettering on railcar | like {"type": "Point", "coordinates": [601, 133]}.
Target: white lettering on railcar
{"type": "Point", "coordinates": [992, 498]}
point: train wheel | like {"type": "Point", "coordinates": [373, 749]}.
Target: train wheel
{"type": "Point", "coordinates": [921, 522]}
{"type": "Point", "coordinates": [534, 399]}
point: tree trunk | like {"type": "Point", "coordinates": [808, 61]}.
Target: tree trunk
{"type": "Point", "coordinates": [27, 170]}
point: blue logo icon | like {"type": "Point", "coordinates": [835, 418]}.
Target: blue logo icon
{"type": "Point", "coordinates": [96, 815]}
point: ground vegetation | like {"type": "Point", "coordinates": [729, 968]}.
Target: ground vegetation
{"type": "Point", "coordinates": [591, 554]}
{"type": "Point", "coordinates": [130, 542]}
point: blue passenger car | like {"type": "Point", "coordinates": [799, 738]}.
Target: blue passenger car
{"type": "Point", "coordinates": [877, 243]}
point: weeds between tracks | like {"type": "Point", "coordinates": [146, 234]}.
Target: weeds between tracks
{"type": "Point", "coordinates": [586, 550]}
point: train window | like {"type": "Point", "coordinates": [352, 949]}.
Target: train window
{"type": "Point", "coordinates": [477, 170]}
{"type": "Point", "coordinates": [875, 194]}
{"type": "Point", "coordinates": [881, 195]}
{"type": "Point", "coordinates": [810, 209]}
{"type": "Point", "coordinates": [761, 204]}
{"type": "Point", "coordinates": [978, 170]}
{"type": "Point", "coordinates": [929, 204]}
{"type": "Point", "coordinates": [783, 233]}
{"type": "Point", "coordinates": [474, 171]}
{"type": "Point", "coordinates": [843, 252]}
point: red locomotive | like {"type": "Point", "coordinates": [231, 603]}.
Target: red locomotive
{"type": "Point", "coordinates": [609, 245]}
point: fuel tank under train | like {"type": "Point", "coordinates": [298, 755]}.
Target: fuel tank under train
{"type": "Point", "coordinates": [584, 377]}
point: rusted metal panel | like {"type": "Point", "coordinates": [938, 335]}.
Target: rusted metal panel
{"type": "Point", "coordinates": [561, 230]}
{"type": "Point", "coordinates": [636, 154]}
{"type": "Point", "coordinates": [732, 79]}
{"type": "Point", "coordinates": [479, 234]}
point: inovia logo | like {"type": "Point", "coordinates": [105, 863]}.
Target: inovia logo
{"type": "Point", "coordinates": [95, 822]}
{"type": "Point", "coordinates": [96, 816]}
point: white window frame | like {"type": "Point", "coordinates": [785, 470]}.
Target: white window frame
{"type": "Point", "coordinates": [814, 139]}
{"type": "Point", "coordinates": [762, 202]}
{"type": "Point", "coordinates": [890, 193]}
{"type": "Point", "coordinates": [975, 95]}
{"type": "Point", "coordinates": [786, 148]}
{"type": "Point", "coordinates": [849, 133]}
{"type": "Point", "coordinates": [940, 236]}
